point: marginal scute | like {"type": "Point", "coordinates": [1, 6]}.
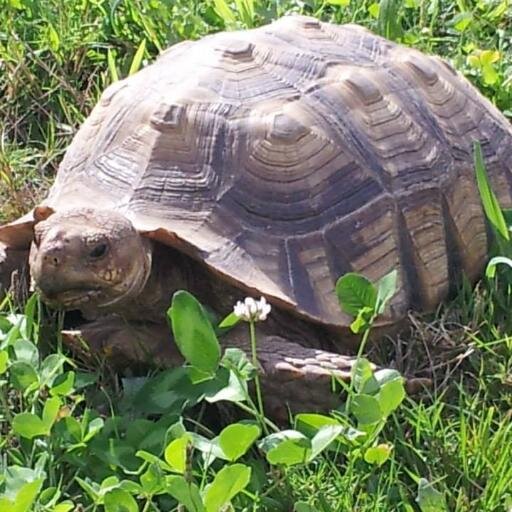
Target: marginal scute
{"type": "Point", "coordinates": [421, 66]}
{"type": "Point", "coordinates": [111, 91]}
{"type": "Point", "coordinates": [446, 65]}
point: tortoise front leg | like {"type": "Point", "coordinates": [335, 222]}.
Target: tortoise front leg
{"type": "Point", "coordinates": [292, 376]}
{"type": "Point", "coordinates": [125, 343]}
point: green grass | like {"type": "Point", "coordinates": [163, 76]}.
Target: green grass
{"type": "Point", "coordinates": [55, 59]}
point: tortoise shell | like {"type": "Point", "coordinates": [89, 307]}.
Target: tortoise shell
{"type": "Point", "coordinates": [285, 156]}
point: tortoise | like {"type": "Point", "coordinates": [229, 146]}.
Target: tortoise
{"type": "Point", "coordinates": [267, 162]}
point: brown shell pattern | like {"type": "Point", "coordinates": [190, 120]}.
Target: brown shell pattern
{"type": "Point", "coordinates": [288, 155]}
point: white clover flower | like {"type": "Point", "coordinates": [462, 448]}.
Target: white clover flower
{"type": "Point", "coordinates": [252, 310]}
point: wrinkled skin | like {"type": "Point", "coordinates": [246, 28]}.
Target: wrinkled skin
{"type": "Point", "coordinates": [86, 259]}
{"type": "Point", "coordinates": [95, 261]}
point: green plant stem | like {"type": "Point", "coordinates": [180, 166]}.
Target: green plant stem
{"type": "Point", "coordinates": [147, 504]}
{"type": "Point", "coordinates": [265, 422]}
{"type": "Point", "coordinates": [257, 383]}
{"type": "Point", "coordinates": [364, 341]}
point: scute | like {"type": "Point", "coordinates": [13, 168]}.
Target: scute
{"type": "Point", "coordinates": [290, 154]}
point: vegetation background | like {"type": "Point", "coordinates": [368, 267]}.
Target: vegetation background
{"type": "Point", "coordinates": [56, 56]}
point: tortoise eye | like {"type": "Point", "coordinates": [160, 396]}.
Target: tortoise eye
{"type": "Point", "coordinates": [99, 251]}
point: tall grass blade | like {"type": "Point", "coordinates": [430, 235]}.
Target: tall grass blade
{"type": "Point", "coordinates": [137, 58]}
{"type": "Point", "coordinates": [111, 60]}
{"type": "Point", "coordinates": [490, 203]}
{"type": "Point", "coordinates": [224, 11]}
{"type": "Point", "coordinates": [246, 10]}
{"type": "Point", "coordinates": [389, 20]}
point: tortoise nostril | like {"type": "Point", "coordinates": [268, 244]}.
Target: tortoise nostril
{"type": "Point", "coordinates": [52, 259]}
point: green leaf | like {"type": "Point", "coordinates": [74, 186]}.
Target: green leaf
{"type": "Point", "coordinates": [16, 4]}
{"type": "Point", "coordinates": [91, 488]}
{"type": "Point", "coordinates": [151, 480]}
{"type": "Point", "coordinates": [176, 453]}
{"type": "Point", "coordinates": [27, 496]}
{"type": "Point", "coordinates": [15, 477]}
{"type": "Point", "coordinates": [152, 459]}
{"type": "Point", "coordinates": [474, 61]}
{"type": "Point", "coordinates": [236, 359]}
{"type": "Point", "coordinates": [323, 438]}
{"type": "Point", "coordinates": [26, 352]}
{"type": "Point", "coordinates": [50, 412]}
{"type": "Point", "coordinates": [230, 390]}
{"type": "Point", "coordinates": [462, 21]}
{"type": "Point", "coordinates": [362, 375]}
{"type": "Point", "coordinates": [490, 203]}
{"type": "Point", "coordinates": [51, 367]}
{"type": "Point", "coordinates": [29, 425]}
{"type": "Point", "coordinates": [391, 395]}
{"type": "Point", "coordinates": [386, 375]}
{"type": "Point", "coordinates": [489, 74]}
{"type": "Point", "coordinates": [429, 499]}
{"type": "Point", "coordinates": [342, 3]}
{"type": "Point", "coordinates": [70, 429]}
{"type": "Point", "coordinates": [378, 454]}
{"type": "Point", "coordinates": [386, 288]}
{"type": "Point", "coordinates": [198, 376]}
{"type": "Point", "coordinates": [185, 493]}
{"type": "Point", "coordinates": [111, 61]}
{"type": "Point", "coordinates": [374, 10]}
{"type": "Point", "coordinates": [237, 438]}
{"type": "Point", "coordinates": [489, 57]}
{"type": "Point", "coordinates": [6, 503]}
{"type": "Point", "coordinates": [137, 58]}
{"type": "Point", "coordinates": [63, 385]}
{"type": "Point", "coordinates": [4, 360]}
{"type": "Point", "coordinates": [93, 428]}
{"type": "Point", "coordinates": [363, 320]}
{"type": "Point", "coordinates": [119, 500]}
{"type": "Point", "coordinates": [109, 483]}
{"type": "Point", "coordinates": [23, 376]}
{"type": "Point", "coordinates": [355, 292]}
{"type": "Point", "coordinates": [210, 448]}
{"type": "Point", "coordinates": [287, 447]}
{"type": "Point", "coordinates": [230, 321]}
{"type": "Point", "coordinates": [194, 333]}
{"type": "Point", "coordinates": [366, 409]}
{"type": "Point", "coordinates": [310, 423]}
{"type": "Point", "coordinates": [64, 506]}
{"type": "Point", "coordinates": [490, 271]}
{"type": "Point", "coordinates": [228, 482]}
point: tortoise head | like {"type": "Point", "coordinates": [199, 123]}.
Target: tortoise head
{"type": "Point", "coordinates": [87, 258]}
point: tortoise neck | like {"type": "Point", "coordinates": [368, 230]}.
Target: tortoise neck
{"type": "Point", "coordinates": [167, 274]}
